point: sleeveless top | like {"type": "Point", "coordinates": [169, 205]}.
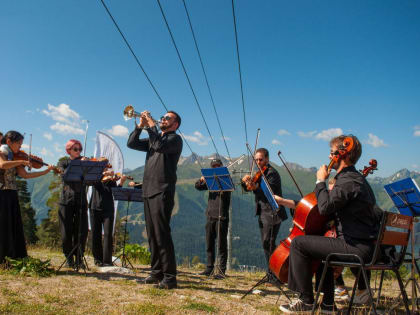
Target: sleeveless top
{"type": "Point", "coordinates": [7, 177]}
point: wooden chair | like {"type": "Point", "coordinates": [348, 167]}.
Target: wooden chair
{"type": "Point", "coordinates": [388, 235]}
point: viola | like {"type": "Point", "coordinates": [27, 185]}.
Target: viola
{"type": "Point", "coordinates": [306, 221]}
{"type": "Point", "coordinates": [36, 161]}
{"type": "Point", "coordinates": [252, 183]}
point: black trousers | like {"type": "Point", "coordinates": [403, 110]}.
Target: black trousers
{"type": "Point", "coordinates": [307, 248]}
{"type": "Point", "coordinates": [211, 236]}
{"type": "Point", "coordinates": [268, 237]}
{"type": "Point", "coordinates": [157, 213]}
{"type": "Point", "coordinates": [102, 220]}
{"type": "Point", "coordinates": [69, 216]}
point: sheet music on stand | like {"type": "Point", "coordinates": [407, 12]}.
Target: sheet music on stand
{"type": "Point", "coordinates": [218, 179]}
{"type": "Point", "coordinates": [268, 194]}
{"type": "Point", "coordinates": [405, 194]}
{"type": "Point", "coordinates": [127, 194]}
{"type": "Point", "coordinates": [90, 172]}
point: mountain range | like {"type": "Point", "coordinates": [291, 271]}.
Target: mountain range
{"type": "Point", "coordinates": [188, 222]}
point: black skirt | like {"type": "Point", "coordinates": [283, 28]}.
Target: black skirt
{"type": "Point", "coordinates": [12, 239]}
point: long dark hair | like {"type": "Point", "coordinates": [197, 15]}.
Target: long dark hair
{"type": "Point", "coordinates": [13, 136]}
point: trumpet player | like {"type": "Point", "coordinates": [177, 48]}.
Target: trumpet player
{"type": "Point", "coordinates": [163, 152]}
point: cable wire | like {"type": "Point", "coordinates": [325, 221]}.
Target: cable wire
{"type": "Point", "coordinates": [186, 75]}
{"type": "Point", "coordinates": [240, 73]}
{"type": "Point", "coordinates": [205, 76]}
{"type": "Point", "coordinates": [146, 75]}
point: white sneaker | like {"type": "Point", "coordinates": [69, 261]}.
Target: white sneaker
{"type": "Point", "coordinates": [362, 297]}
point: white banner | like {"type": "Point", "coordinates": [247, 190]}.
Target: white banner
{"type": "Point", "coordinates": [105, 146]}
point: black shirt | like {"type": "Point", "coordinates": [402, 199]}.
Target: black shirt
{"type": "Point", "coordinates": [352, 200]}
{"type": "Point", "coordinates": [102, 199]}
{"type": "Point", "coordinates": [163, 152]}
{"type": "Point", "coordinates": [263, 207]}
{"type": "Point", "coordinates": [73, 192]}
{"type": "Point", "coordinates": [214, 204]}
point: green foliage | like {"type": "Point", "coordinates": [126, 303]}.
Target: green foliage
{"type": "Point", "coordinates": [27, 212]}
{"type": "Point", "coordinates": [195, 260]}
{"type": "Point", "coordinates": [49, 231]}
{"type": "Point", "coordinates": [29, 266]}
{"type": "Point", "coordinates": [198, 306]}
{"type": "Point", "coordinates": [137, 253]}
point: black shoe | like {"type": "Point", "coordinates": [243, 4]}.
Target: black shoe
{"type": "Point", "coordinates": [98, 263]}
{"type": "Point", "coordinates": [297, 307]}
{"type": "Point", "coordinates": [69, 262]}
{"type": "Point", "coordinates": [80, 265]}
{"type": "Point", "coordinates": [152, 279]}
{"type": "Point", "coordinates": [107, 265]}
{"type": "Point", "coordinates": [167, 285]}
{"type": "Point", "coordinates": [206, 272]}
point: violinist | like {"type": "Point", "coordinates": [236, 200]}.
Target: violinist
{"type": "Point", "coordinates": [12, 239]}
{"type": "Point", "coordinates": [218, 205]}
{"type": "Point", "coordinates": [102, 217]}
{"type": "Point", "coordinates": [73, 202]}
{"type": "Point", "coordinates": [353, 201]}
{"type": "Point", "coordinates": [268, 220]}
{"type": "Point", "coordinates": [162, 155]}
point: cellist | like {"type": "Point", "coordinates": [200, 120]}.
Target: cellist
{"type": "Point", "coordinates": [353, 201]}
{"type": "Point", "coordinates": [268, 221]}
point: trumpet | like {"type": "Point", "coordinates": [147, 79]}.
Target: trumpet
{"type": "Point", "coordinates": [129, 113]}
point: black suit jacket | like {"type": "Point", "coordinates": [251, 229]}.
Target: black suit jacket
{"type": "Point", "coordinates": [215, 202]}
{"type": "Point", "coordinates": [163, 152]}
{"type": "Point", "coordinates": [263, 207]}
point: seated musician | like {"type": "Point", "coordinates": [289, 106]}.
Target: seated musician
{"type": "Point", "coordinates": [353, 201]}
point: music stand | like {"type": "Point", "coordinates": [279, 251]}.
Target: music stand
{"type": "Point", "coordinates": [126, 194]}
{"type": "Point", "coordinates": [218, 180]}
{"type": "Point", "coordinates": [86, 173]}
{"type": "Point", "coordinates": [405, 195]}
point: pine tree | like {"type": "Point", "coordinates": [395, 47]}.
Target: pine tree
{"type": "Point", "coordinates": [49, 231]}
{"type": "Point", "coordinates": [27, 212]}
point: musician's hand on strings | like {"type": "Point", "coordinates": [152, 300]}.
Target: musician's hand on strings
{"type": "Point", "coordinates": [246, 178]}
{"type": "Point", "coordinates": [322, 174]}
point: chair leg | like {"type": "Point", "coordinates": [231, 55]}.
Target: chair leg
{"type": "Point", "coordinates": [353, 291]}
{"type": "Point", "coordinates": [380, 287]}
{"type": "Point", "coordinates": [402, 289]}
{"type": "Point", "coordinates": [372, 302]}
{"type": "Point", "coordinates": [321, 283]}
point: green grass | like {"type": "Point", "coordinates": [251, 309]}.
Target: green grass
{"type": "Point", "coordinates": [154, 292]}
{"type": "Point", "coordinates": [198, 306]}
{"type": "Point", "coordinates": [146, 309]}
{"type": "Point", "coordinates": [272, 309]}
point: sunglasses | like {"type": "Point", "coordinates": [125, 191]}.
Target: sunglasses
{"type": "Point", "coordinates": [167, 118]}
{"type": "Point", "coordinates": [77, 149]}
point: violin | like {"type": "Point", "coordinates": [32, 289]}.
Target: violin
{"type": "Point", "coordinates": [251, 184]}
{"type": "Point", "coordinates": [114, 177]}
{"type": "Point", "coordinates": [369, 169]}
{"type": "Point", "coordinates": [36, 161]}
{"type": "Point", "coordinates": [100, 159]}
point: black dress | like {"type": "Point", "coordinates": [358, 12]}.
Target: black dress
{"type": "Point", "coordinates": [12, 239]}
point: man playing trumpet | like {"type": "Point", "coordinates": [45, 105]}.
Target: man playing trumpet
{"type": "Point", "coordinates": [163, 152]}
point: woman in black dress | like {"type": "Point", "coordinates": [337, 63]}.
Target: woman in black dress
{"type": "Point", "coordinates": [12, 239]}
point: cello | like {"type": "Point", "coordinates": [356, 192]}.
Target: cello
{"type": "Point", "coordinates": [306, 221]}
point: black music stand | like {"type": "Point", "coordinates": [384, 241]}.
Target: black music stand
{"type": "Point", "coordinates": [405, 195]}
{"type": "Point", "coordinates": [126, 194]}
{"type": "Point", "coordinates": [86, 173]}
{"type": "Point", "coordinates": [218, 180]}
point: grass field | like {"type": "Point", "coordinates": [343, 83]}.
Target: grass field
{"type": "Point", "coordinates": [68, 292]}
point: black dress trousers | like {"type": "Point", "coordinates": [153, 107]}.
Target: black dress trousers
{"type": "Point", "coordinates": [212, 230]}
{"type": "Point", "coordinates": [102, 220]}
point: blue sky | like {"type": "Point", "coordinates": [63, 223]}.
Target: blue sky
{"type": "Point", "coordinates": [311, 69]}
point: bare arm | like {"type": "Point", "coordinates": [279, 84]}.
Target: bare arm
{"type": "Point", "coordinates": [289, 203]}
{"type": "Point", "coordinates": [24, 174]}
{"type": "Point", "coordinates": [5, 164]}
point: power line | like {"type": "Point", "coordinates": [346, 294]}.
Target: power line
{"type": "Point", "coordinates": [205, 76]}
{"type": "Point", "coordinates": [145, 74]}
{"type": "Point", "coordinates": [240, 72]}
{"type": "Point", "coordinates": [186, 75]}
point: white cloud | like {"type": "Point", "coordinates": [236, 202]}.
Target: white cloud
{"type": "Point", "coordinates": [58, 148]}
{"type": "Point", "coordinates": [25, 146]}
{"type": "Point", "coordinates": [48, 136]}
{"type": "Point", "coordinates": [416, 131]}
{"type": "Point", "coordinates": [28, 111]}
{"type": "Point", "coordinates": [275, 141]}
{"type": "Point", "coordinates": [66, 129]}
{"type": "Point", "coordinates": [375, 141]}
{"type": "Point", "coordinates": [328, 134]}
{"type": "Point", "coordinates": [415, 166]}
{"type": "Point", "coordinates": [118, 131]}
{"type": "Point", "coordinates": [45, 152]}
{"type": "Point", "coordinates": [283, 132]}
{"type": "Point", "coordinates": [308, 134]}
{"type": "Point", "coordinates": [67, 120]}
{"type": "Point", "coordinates": [226, 138]}
{"type": "Point", "coordinates": [197, 137]}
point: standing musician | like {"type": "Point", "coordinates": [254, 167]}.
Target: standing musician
{"type": "Point", "coordinates": [12, 238]}
{"type": "Point", "coordinates": [218, 204]}
{"type": "Point", "coordinates": [353, 201]}
{"type": "Point", "coordinates": [163, 152]}
{"type": "Point", "coordinates": [73, 201]}
{"type": "Point", "coordinates": [102, 217]}
{"type": "Point", "coordinates": [268, 220]}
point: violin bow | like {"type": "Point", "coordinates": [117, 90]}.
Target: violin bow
{"type": "Point", "coordinates": [255, 150]}
{"type": "Point", "coordinates": [30, 151]}
{"type": "Point", "coordinates": [287, 168]}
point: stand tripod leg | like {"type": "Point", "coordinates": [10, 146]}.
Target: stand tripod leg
{"type": "Point", "coordinates": [265, 279]}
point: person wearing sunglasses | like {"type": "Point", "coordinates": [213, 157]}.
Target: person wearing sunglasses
{"type": "Point", "coordinates": [72, 201]}
{"type": "Point", "coordinates": [163, 150]}
{"type": "Point", "coordinates": [218, 205]}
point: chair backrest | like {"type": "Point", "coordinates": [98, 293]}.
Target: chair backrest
{"type": "Point", "coordinates": [395, 230]}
